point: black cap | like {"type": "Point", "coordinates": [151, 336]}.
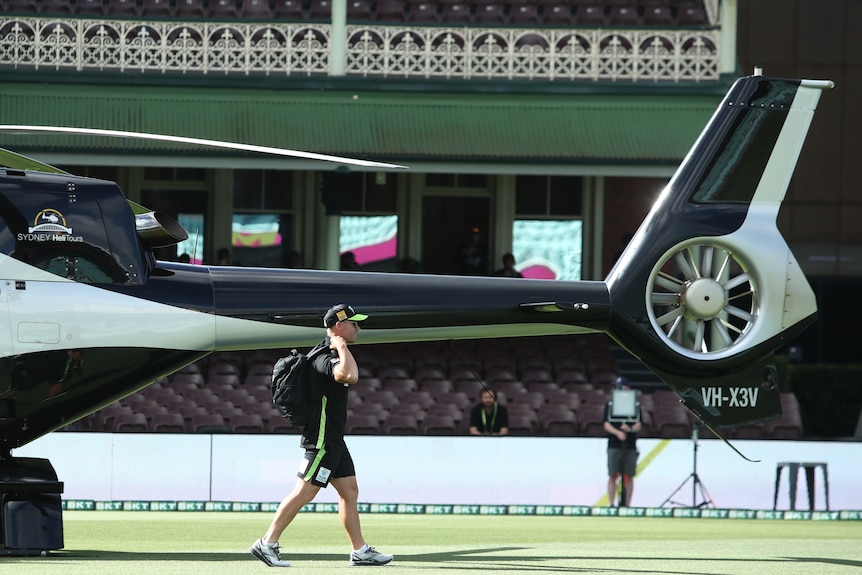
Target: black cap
{"type": "Point", "coordinates": [341, 312]}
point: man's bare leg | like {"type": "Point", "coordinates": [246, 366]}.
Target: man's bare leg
{"type": "Point", "coordinates": [303, 492]}
{"type": "Point", "coordinates": [348, 511]}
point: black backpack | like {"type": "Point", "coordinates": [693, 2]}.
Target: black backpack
{"type": "Point", "coordinates": [292, 392]}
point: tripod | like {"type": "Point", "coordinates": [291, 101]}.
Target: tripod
{"type": "Point", "coordinates": [696, 483]}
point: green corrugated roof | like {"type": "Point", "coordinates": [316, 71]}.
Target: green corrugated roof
{"type": "Point", "coordinates": [476, 127]}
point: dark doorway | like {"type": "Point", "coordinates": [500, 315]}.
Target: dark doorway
{"type": "Point", "coordinates": [447, 221]}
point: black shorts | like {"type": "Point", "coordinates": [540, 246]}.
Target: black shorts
{"type": "Point", "coordinates": [322, 465]}
{"type": "Point", "coordinates": [622, 462]}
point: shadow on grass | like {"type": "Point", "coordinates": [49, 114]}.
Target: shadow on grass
{"type": "Point", "coordinates": [497, 558]}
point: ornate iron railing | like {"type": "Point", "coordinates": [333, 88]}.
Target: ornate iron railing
{"type": "Point", "coordinates": [296, 49]}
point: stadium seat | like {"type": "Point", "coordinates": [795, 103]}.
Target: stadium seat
{"type": "Point", "coordinates": [423, 399]}
{"type": "Point", "coordinates": [239, 396]}
{"type": "Point", "coordinates": [692, 16]}
{"type": "Point", "coordinates": [378, 411]}
{"type": "Point", "coordinates": [556, 13]}
{"type": "Point", "coordinates": [570, 378]}
{"type": "Point", "coordinates": [422, 12]}
{"type": "Point", "coordinates": [533, 399]}
{"type": "Point", "coordinates": [788, 426]}
{"type": "Point", "coordinates": [400, 424]}
{"type": "Point", "coordinates": [106, 418]}
{"type": "Point", "coordinates": [438, 424]}
{"type": "Point", "coordinates": [672, 422]}
{"type": "Point", "coordinates": [385, 398]}
{"type": "Point", "coordinates": [56, 6]}
{"type": "Point", "coordinates": [429, 372]}
{"type": "Point", "coordinates": [208, 423]}
{"type": "Point", "coordinates": [658, 16]}
{"type": "Point", "coordinates": [360, 11]}
{"type": "Point", "coordinates": [436, 387]}
{"type": "Point", "coordinates": [469, 387]}
{"type": "Point", "coordinates": [185, 379]}
{"type": "Point", "coordinates": [399, 386]}
{"type": "Point", "coordinates": [127, 8]}
{"type": "Point", "coordinates": [624, 15]}
{"type": "Point", "coordinates": [457, 415]}
{"type": "Point", "coordinates": [562, 397]}
{"type": "Point", "coordinates": [591, 419]}
{"type": "Point", "coordinates": [260, 9]}
{"type": "Point", "coordinates": [465, 362]}
{"type": "Point", "coordinates": [90, 7]}
{"type": "Point", "coordinates": [222, 9]}
{"type": "Point", "coordinates": [279, 425]}
{"type": "Point", "coordinates": [224, 380]}
{"type": "Point", "coordinates": [536, 375]}
{"type": "Point", "coordinates": [319, 10]}
{"type": "Point", "coordinates": [509, 388]}
{"type": "Point", "coordinates": [752, 431]}
{"type": "Point", "coordinates": [393, 372]}
{"type": "Point", "coordinates": [457, 398]}
{"type": "Point", "coordinates": [558, 420]}
{"type": "Point", "coordinates": [362, 424]}
{"type": "Point", "coordinates": [521, 424]}
{"type": "Point", "coordinates": [130, 423]}
{"type": "Point", "coordinates": [490, 14]}
{"type": "Point", "coordinates": [603, 378]}
{"type": "Point", "coordinates": [22, 7]}
{"type": "Point", "coordinates": [458, 13]}
{"type": "Point", "coordinates": [221, 366]}
{"type": "Point", "coordinates": [168, 423]}
{"type": "Point", "coordinates": [497, 374]}
{"type": "Point", "coordinates": [247, 423]}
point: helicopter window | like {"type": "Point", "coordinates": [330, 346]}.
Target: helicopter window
{"type": "Point", "coordinates": [84, 267]}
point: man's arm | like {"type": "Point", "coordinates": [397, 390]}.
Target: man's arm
{"type": "Point", "coordinates": [614, 431]}
{"type": "Point", "coordinates": [346, 370]}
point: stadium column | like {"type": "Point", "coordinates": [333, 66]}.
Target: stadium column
{"type": "Point", "coordinates": [338, 38]}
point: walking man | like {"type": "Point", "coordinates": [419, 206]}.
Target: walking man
{"type": "Point", "coordinates": [327, 459]}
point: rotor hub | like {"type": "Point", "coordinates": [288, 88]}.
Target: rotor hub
{"type": "Point", "coordinates": [704, 298]}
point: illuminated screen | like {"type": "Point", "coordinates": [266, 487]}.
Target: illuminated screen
{"type": "Point", "coordinates": [372, 239]}
{"type": "Point", "coordinates": [548, 249]}
{"type": "Point", "coordinates": [624, 405]}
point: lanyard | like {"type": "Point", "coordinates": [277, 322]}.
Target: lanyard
{"type": "Point", "coordinates": [485, 420]}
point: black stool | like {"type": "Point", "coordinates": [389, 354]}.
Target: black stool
{"type": "Point", "coordinates": [793, 470]}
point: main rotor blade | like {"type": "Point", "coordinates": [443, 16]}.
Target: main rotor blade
{"type": "Point", "coordinates": [198, 141]}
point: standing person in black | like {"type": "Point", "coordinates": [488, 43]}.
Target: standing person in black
{"type": "Point", "coordinates": [489, 417]}
{"type": "Point", "coordinates": [622, 451]}
{"type": "Point", "coordinates": [327, 459]}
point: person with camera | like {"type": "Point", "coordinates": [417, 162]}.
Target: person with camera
{"type": "Point", "coordinates": [622, 449]}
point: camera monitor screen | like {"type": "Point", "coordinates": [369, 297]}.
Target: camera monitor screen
{"type": "Point", "coordinates": [624, 406]}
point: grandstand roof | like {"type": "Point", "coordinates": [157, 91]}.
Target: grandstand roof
{"type": "Point", "coordinates": [603, 128]}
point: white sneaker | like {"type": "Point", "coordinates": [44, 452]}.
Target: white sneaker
{"type": "Point", "coordinates": [370, 557]}
{"type": "Point", "coordinates": [269, 554]}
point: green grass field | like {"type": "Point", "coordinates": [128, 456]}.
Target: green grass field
{"type": "Point", "coordinates": [184, 543]}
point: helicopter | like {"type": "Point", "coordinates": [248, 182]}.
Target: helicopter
{"type": "Point", "coordinates": [703, 295]}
